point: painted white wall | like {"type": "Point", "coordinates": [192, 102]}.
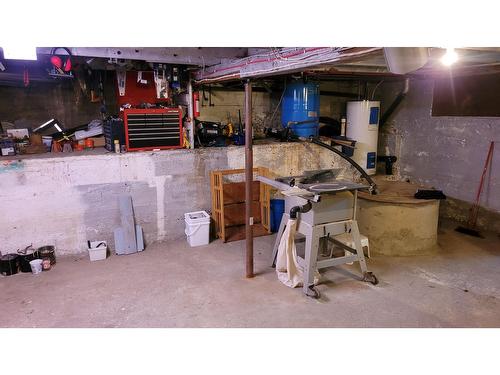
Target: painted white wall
{"type": "Point", "coordinates": [67, 200]}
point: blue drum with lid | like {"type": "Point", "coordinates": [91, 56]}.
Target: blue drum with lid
{"type": "Point", "coordinates": [300, 108]}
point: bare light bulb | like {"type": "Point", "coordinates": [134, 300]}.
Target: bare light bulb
{"type": "Point", "coordinates": [450, 57]}
{"type": "Point", "coordinates": [19, 52]}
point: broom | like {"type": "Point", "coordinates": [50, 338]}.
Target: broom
{"type": "Point", "coordinates": [470, 228]}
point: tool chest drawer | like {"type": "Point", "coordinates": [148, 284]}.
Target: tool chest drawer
{"type": "Point", "coordinates": [148, 129]}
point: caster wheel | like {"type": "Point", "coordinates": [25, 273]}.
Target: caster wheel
{"type": "Point", "coordinates": [370, 278]}
{"type": "Point", "coordinates": [312, 292]}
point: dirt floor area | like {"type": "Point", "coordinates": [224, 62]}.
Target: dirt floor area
{"type": "Point", "coordinates": [173, 285]}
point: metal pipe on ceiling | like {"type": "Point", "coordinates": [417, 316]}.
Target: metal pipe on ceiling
{"type": "Point", "coordinates": [284, 62]}
{"type": "Point", "coordinates": [261, 89]}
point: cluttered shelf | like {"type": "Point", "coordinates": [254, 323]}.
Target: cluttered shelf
{"type": "Point", "coordinates": [99, 151]}
{"type": "Point", "coordinates": [53, 155]}
{"type": "Point", "coordinates": [143, 130]}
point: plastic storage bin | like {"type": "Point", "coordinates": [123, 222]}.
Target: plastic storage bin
{"type": "Point", "coordinates": [197, 228]}
{"type": "Point", "coordinates": [277, 209]}
{"type": "Point", "coordinates": [98, 250]}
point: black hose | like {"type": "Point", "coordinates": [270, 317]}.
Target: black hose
{"type": "Point", "coordinates": [392, 108]}
{"type": "Point", "coordinates": [373, 185]}
{"type": "Point", "coordinates": [296, 209]}
{"type": "Point", "coordinates": [395, 104]}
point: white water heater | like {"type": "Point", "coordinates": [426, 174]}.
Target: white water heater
{"type": "Point", "coordinates": [362, 126]}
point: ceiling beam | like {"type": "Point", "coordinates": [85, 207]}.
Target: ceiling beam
{"type": "Point", "coordinates": [199, 56]}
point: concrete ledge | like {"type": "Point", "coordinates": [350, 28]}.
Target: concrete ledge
{"type": "Point", "coordinates": [69, 199]}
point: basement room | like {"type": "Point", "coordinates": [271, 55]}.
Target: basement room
{"type": "Point", "coordinates": [247, 186]}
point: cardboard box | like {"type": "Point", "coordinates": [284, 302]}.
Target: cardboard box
{"type": "Point", "coordinates": [18, 133]}
{"type": "Point", "coordinates": [99, 141]}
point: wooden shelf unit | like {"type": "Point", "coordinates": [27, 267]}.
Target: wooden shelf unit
{"type": "Point", "coordinates": [228, 205]}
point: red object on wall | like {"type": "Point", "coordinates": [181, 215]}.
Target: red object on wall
{"type": "Point", "coordinates": [68, 66]}
{"type": "Point", "coordinates": [137, 93]}
{"type": "Point", "coordinates": [196, 104]}
{"type": "Point", "coordinates": [153, 129]}
{"type": "Point", "coordinates": [56, 61]}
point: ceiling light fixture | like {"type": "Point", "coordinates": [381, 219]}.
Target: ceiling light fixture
{"type": "Point", "coordinates": [450, 57]}
{"type": "Point", "coordinates": [19, 52]}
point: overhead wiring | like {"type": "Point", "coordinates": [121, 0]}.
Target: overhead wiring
{"type": "Point", "coordinates": [375, 89]}
{"type": "Point", "coordinates": [274, 69]}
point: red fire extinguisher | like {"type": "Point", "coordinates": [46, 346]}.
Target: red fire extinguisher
{"type": "Point", "coordinates": [196, 104]}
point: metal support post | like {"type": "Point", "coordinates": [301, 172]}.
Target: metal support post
{"type": "Point", "coordinates": [248, 180]}
{"type": "Point", "coordinates": [191, 114]}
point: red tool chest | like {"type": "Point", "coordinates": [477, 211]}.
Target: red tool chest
{"type": "Point", "coordinates": [152, 129]}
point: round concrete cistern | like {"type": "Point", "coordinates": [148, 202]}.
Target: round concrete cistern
{"type": "Point", "coordinates": [395, 222]}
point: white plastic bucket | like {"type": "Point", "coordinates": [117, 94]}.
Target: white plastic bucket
{"type": "Point", "coordinates": [98, 250]}
{"type": "Point", "coordinates": [36, 266]}
{"type": "Point", "coordinates": [197, 228]}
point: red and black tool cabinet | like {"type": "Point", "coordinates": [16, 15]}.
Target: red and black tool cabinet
{"type": "Point", "coordinates": [153, 129]}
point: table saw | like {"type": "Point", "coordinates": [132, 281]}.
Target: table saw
{"type": "Point", "coordinates": [324, 207]}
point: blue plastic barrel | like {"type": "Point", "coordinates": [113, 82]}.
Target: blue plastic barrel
{"type": "Point", "coordinates": [277, 209]}
{"type": "Point", "coordinates": [300, 108]}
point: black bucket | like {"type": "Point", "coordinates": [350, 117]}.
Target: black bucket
{"type": "Point", "coordinates": [47, 252]}
{"type": "Point", "coordinates": [9, 264]}
{"type": "Point", "coordinates": [26, 257]}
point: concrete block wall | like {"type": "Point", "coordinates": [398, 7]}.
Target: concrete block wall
{"type": "Point", "coordinates": [264, 105]}
{"type": "Point", "coordinates": [445, 152]}
{"type": "Point", "coordinates": [229, 102]}
{"type": "Point", "coordinates": [29, 107]}
{"type": "Point", "coordinates": [335, 106]}
{"type": "Point", "coordinates": [67, 200]}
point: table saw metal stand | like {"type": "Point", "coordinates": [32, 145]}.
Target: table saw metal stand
{"type": "Point", "coordinates": [313, 233]}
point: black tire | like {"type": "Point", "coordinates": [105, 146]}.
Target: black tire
{"type": "Point", "coordinates": [312, 292]}
{"type": "Point", "coordinates": [370, 278]}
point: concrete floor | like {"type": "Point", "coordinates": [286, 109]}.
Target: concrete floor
{"type": "Point", "coordinates": [172, 285]}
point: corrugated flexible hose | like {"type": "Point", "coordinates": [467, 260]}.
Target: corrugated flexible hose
{"type": "Point", "coordinates": [316, 141]}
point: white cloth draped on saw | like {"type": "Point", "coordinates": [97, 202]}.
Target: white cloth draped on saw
{"type": "Point", "coordinates": [288, 269]}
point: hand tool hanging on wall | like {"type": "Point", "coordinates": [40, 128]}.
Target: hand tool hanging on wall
{"type": "Point", "coordinates": [203, 97]}
{"type": "Point", "coordinates": [103, 108]}
{"type": "Point", "coordinates": [240, 126]}
{"type": "Point", "coordinates": [121, 76]}
{"type": "Point", "coordinates": [26, 77]}
{"type": "Point", "coordinates": [161, 83]}
{"type": "Point", "coordinates": [470, 228]}
{"type": "Point", "coordinates": [210, 104]}
{"type": "Point", "coordinates": [141, 80]}
{"type": "Point", "coordinates": [93, 84]}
